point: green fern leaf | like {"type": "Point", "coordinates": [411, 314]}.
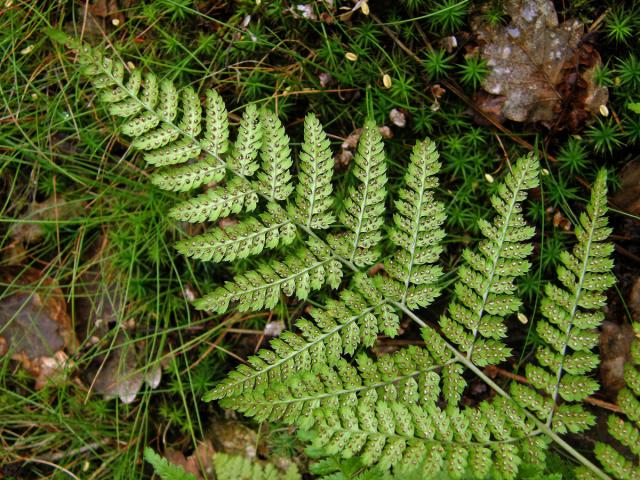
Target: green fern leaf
{"type": "Point", "coordinates": [137, 125]}
{"type": "Point", "coordinates": [245, 150]}
{"type": "Point", "coordinates": [571, 314]}
{"type": "Point", "coordinates": [485, 293]}
{"type": "Point", "coordinates": [216, 137]}
{"type": "Point", "coordinates": [363, 210]}
{"type": "Point", "coordinates": [407, 376]}
{"type": "Point", "coordinates": [322, 342]}
{"type": "Point", "coordinates": [313, 191]}
{"type": "Point", "coordinates": [418, 230]}
{"type": "Point", "coordinates": [622, 460]}
{"type": "Point", "coordinates": [246, 238]}
{"type": "Point", "coordinates": [274, 178]}
{"type": "Point", "coordinates": [187, 177]}
{"type": "Point", "coordinates": [399, 412]}
{"type": "Point", "coordinates": [167, 111]}
{"type": "Point", "coordinates": [215, 203]}
{"type": "Point", "coordinates": [309, 268]}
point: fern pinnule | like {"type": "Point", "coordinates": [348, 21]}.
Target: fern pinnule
{"type": "Point", "coordinates": [274, 176]}
{"type": "Point", "coordinates": [216, 136]}
{"type": "Point", "coordinates": [308, 268]}
{"type": "Point", "coordinates": [621, 458]}
{"type": "Point", "coordinates": [245, 150]}
{"type": "Point", "coordinates": [188, 177]}
{"type": "Point", "coordinates": [313, 200]}
{"type": "Point", "coordinates": [236, 196]}
{"type": "Point", "coordinates": [417, 232]}
{"type": "Point", "coordinates": [485, 293]}
{"type": "Point", "coordinates": [571, 314]}
{"type": "Point", "coordinates": [363, 208]}
{"type": "Point", "coordinates": [246, 238]}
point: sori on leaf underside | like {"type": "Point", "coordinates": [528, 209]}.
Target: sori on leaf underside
{"type": "Point", "coordinates": [400, 411]}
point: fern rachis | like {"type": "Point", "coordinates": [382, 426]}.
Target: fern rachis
{"type": "Point", "coordinates": [388, 408]}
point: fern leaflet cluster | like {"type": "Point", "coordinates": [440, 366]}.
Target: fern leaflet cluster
{"type": "Point", "coordinates": [403, 411]}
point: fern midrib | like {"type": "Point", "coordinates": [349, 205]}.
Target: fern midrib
{"type": "Point", "coordinates": [574, 309]}
{"type": "Point", "coordinates": [312, 201]}
{"type": "Point", "coordinates": [496, 258]}
{"type": "Point", "coordinates": [414, 240]}
{"type": "Point", "coordinates": [363, 204]}
{"type": "Point", "coordinates": [295, 353]}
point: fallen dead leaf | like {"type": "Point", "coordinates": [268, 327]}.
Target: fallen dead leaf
{"type": "Point", "coordinates": [120, 375]}
{"type": "Point", "coordinates": [234, 438]}
{"type": "Point", "coordinates": [199, 462]}
{"type": "Point", "coordinates": [540, 70]}
{"type": "Point", "coordinates": [34, 325]}
{"type": "Point", "coordinates": [615, 348]}
{"type": "Point", "coordinates": [398, 118]}
{"type": "Point", "coordinates": [628, 197]}
{"type": "Point", "coordinates": [99, 308]}
{"type": "Point", "coordinates": [30, 229]}
{"type": "Point", "coordinates": [634, 301]}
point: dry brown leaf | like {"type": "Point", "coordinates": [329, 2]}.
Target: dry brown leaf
{"type": "Point", "coordinates": [30, 228]}
{"type": "Point", "coordinates": [615, 348]}
{"type": "Point", "coordinates": [398, 117]}
{"type": "Point", "coordinates": [634, 301]}
{"type": "Point", "coordinates": [234, 438]}
{"type": "Point", "coordinates": [34, 325]}
{"type": "Point", "coordinates": [120, 374]}
{"type": "Point", "coordinates": [540, 70]}
{"type": "Point", "coordinates": [99, 308]}
{"type": "Point", "coordinates": [628, 197]}
{"type": "Point", "coordinates": [201, 461]}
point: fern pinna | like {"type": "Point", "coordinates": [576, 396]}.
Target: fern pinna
{"type": "Point", "coordinates": [401, 411]}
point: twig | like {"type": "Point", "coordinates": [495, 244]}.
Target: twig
{"type": "Point", "coordinates": [596, 402]}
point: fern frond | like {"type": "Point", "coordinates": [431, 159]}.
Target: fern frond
{"type": "Point", "coordinates": [235, 197]}
{"type": "Point", "coordinates": [139, 124]}
{"type": "Point", "coordinates": [337, 328]}
{"type": "Point", "coordinates": [392, 434]}
{"type": "Point", "coordinates": [309, 268]}
{"type": "Point", "coordinates": [623, 460]}
{"type": "Point", "coordinates": [400, 411]}
{"type": "Point", "coordinates": [417, 230]}
{"type": "Point", "coordinates": [484, 295]}
{"type": "Point", "coordinates": [246, 238]}
{"type": "Point", "coordinates": [165, 469]}
{"type": "Point", "coordinates": [572, 313]}
{"type": "Point", "coordinates": [363, 209]}
{"type": "Point", "coordinates": [166, 149]}
{"type": "Point", "coordinates": [408, 376]}
{"type": "Point", "coordinates": [274, 177]}
{"type": "Point", "coordinates": [313, 191]}
{"type": "Point", "coordinates": [247, 146]}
